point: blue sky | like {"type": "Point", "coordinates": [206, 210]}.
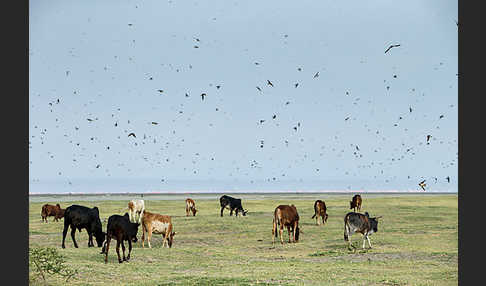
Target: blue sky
{"type": "Point", "coordinates": [107, 61]}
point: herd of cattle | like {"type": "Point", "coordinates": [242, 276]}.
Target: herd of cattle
{"type": "Point", "coordinates": [125, 228]}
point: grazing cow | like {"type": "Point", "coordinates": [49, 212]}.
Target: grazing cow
{"type": "Point", "coordinates": [285, 215]}
{"type": "Point", "coordinates": [135, 210]}
{"type": "Point", "coordinates": [50, 210]}
{"type": "Point", "coordinates": [158, 224]}
{"type": "Point", "coordinates": [79, 217]}
{"type": "Point", "coordinates": [320, 210]}
{"type": "Point", "coordinates": [362, 223]}
{"type": "Point", "coordinates": [355, 203]}
{"type": "Point", "coordinates": [231, 204]}
{"type": "Point", "coordinates": [120, 228]}
{"type": "Point", "coordinates": [190, 207]}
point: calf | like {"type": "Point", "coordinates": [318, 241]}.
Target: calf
{"type": "Point", "coordinates": [135, 210]}
{"type": "Point", "coordinates": [285, 215]}
{"type": "Point", "coordinates": [355, 203]}
{"type": "Point", "coordinates": [158, 224]}
{"type": "Point", "coordinates": [50, 210]}
{"type": "Point", "coordinates": [362, 223]}
{"type": "Point", "coordinates": [231, 204]}
{"type": "Point", "coordinates": [79, 217]}
{"type": "Point", "coordinates": [121, 229]}
{"type": "Point", "coordinates": [190, 207]}
{"type": "Point", "coordinates": [320, 210]}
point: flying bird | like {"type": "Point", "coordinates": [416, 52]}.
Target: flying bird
{"type": "Point", "coordinates": [202, 96]}
{"type": "Point", "coordinates": [442, 116]}
{"type": "Point", "coordinates": [269, 83]}
{"type": "Point", "coordinates": [154, 123]}
{"type": "Point", "coordinates": [187, 95]}
{"type": "Point", "coordinates": [316, 75]}
{"type": "Point", "coordinates": [410, 108]}
{"type": "Point", "coordinates": [274, 116]}
{"type": "Point", "coordinates": [346, 118]}
{"type": "Point", "coordinates": [428, 137]}
{"type": "Point", "coordinates": [132, 134]}
{"type": "Point", "coordinates": [423, 185]}
{"type": "Point", "coordinates": [296, 85]}
{"type": "Point", "coordinates": [89, 119]}
{"type": "Point", "coordinates": [259, 88]}
{"type": "Point", "coordinates": [218, 86]}
{"type": "Point", "coordinates": [392, 46]}
{"type": "Point", "coordinates": [457, 23]}
{"type": "Point", "coordinates": [448, 179]}
{"type": "Point", "coordinates": [160, 90]}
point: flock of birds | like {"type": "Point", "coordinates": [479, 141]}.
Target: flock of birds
{"type": "Point", "coordinates": [254, 164]}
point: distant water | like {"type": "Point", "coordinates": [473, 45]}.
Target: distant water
{"type": "Point", "coordinates": [119, 186]}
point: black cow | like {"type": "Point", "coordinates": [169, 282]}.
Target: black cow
{"type": "Point", "coordinates": [79, 217]}
{"type": "Point", "coordinates": [231, 204]}
{"type": "Point", "coordinates": [120, 228]}
{"type": "Point", "coordinates": [362, 223]}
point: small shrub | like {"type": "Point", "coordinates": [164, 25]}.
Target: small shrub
{"type": "Point", "coordinates": [47, 261]}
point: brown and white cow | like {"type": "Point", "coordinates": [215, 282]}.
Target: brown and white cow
{"type": "Point", "coordinates": [50, 210]}
{"type": "Point", "coordinates": [362, 223]}
{"type": "Point", "coordinates": [286, 216]}
{"type": "Point", "coordinates": [355, 204]}
{"type": "Point", "coordinates": [320, 211]}
{"type": "Point", "coordinates": [158, 224]}
{"type": "Point", "coordinates": [135, 210]}
{"type": "Point", "coordinates": [190, 207]}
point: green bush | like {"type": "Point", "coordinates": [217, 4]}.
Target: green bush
{"type": "Point", "coordinates": [47, 261]}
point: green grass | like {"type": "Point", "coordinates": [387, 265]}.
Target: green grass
{"type": "Point", "coordinates": [416, 244]}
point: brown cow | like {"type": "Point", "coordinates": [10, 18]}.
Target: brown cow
{"type": "Point", "coordinates": [285, 215]}
{"type": "Point", "coordinates": [320, 210]}
{"type": "Point", "coordinates": [158, 224]}
{"type": "Point", "coordinates": [355, 204]}
{"type": "Point", "coordinates": [50, 210]}
{"type": "Point", "coordinates": [190, 207]}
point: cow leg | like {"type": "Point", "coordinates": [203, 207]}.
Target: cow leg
{"type": "Point", "coordinates": [231, 212]}
{"type": "Point", "coordinates": [274, 229]}
{"type": "Point", "coordinates": [143, 236]}
{"type": "Point", "coordinates": [107, 243]}
{"type": "Point", "coordinates": [317, 220]}
{"type": "Point", "coordinates": [64, 232]}
{"type": "Point", "coordinates": [281, 233]}
{"type": "Point", "coordinates": [149, 236]}
{"type": "Point", "coordinates": [90, 239]}
{"type": "Point", "coordinates": [369, 242]}
{"type": "Point", "coordinates": [222, 208]}
{"type": "Point", "coordinates": [296, 224]}
{"type": "Point", "coordinates": [236, 212]}
{"type": "Point", "coordinates": [118, 250]}
{"type": "Point", "coordinates": [73, 231]}
{"type": "Point", "coordinates": [187, 211]}
{"type": "Point", "coordinates": [123, 249]}
{"type": "Point", "coordinates": [289, 231]}
{"type": "Point", "coordinates": [129, 249]}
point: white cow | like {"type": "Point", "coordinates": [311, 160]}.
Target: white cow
{"type": "Point", "coordinates": [135, 210]}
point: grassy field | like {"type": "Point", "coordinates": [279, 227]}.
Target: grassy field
{"type": "Point", "coordinates": [416, 244]}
